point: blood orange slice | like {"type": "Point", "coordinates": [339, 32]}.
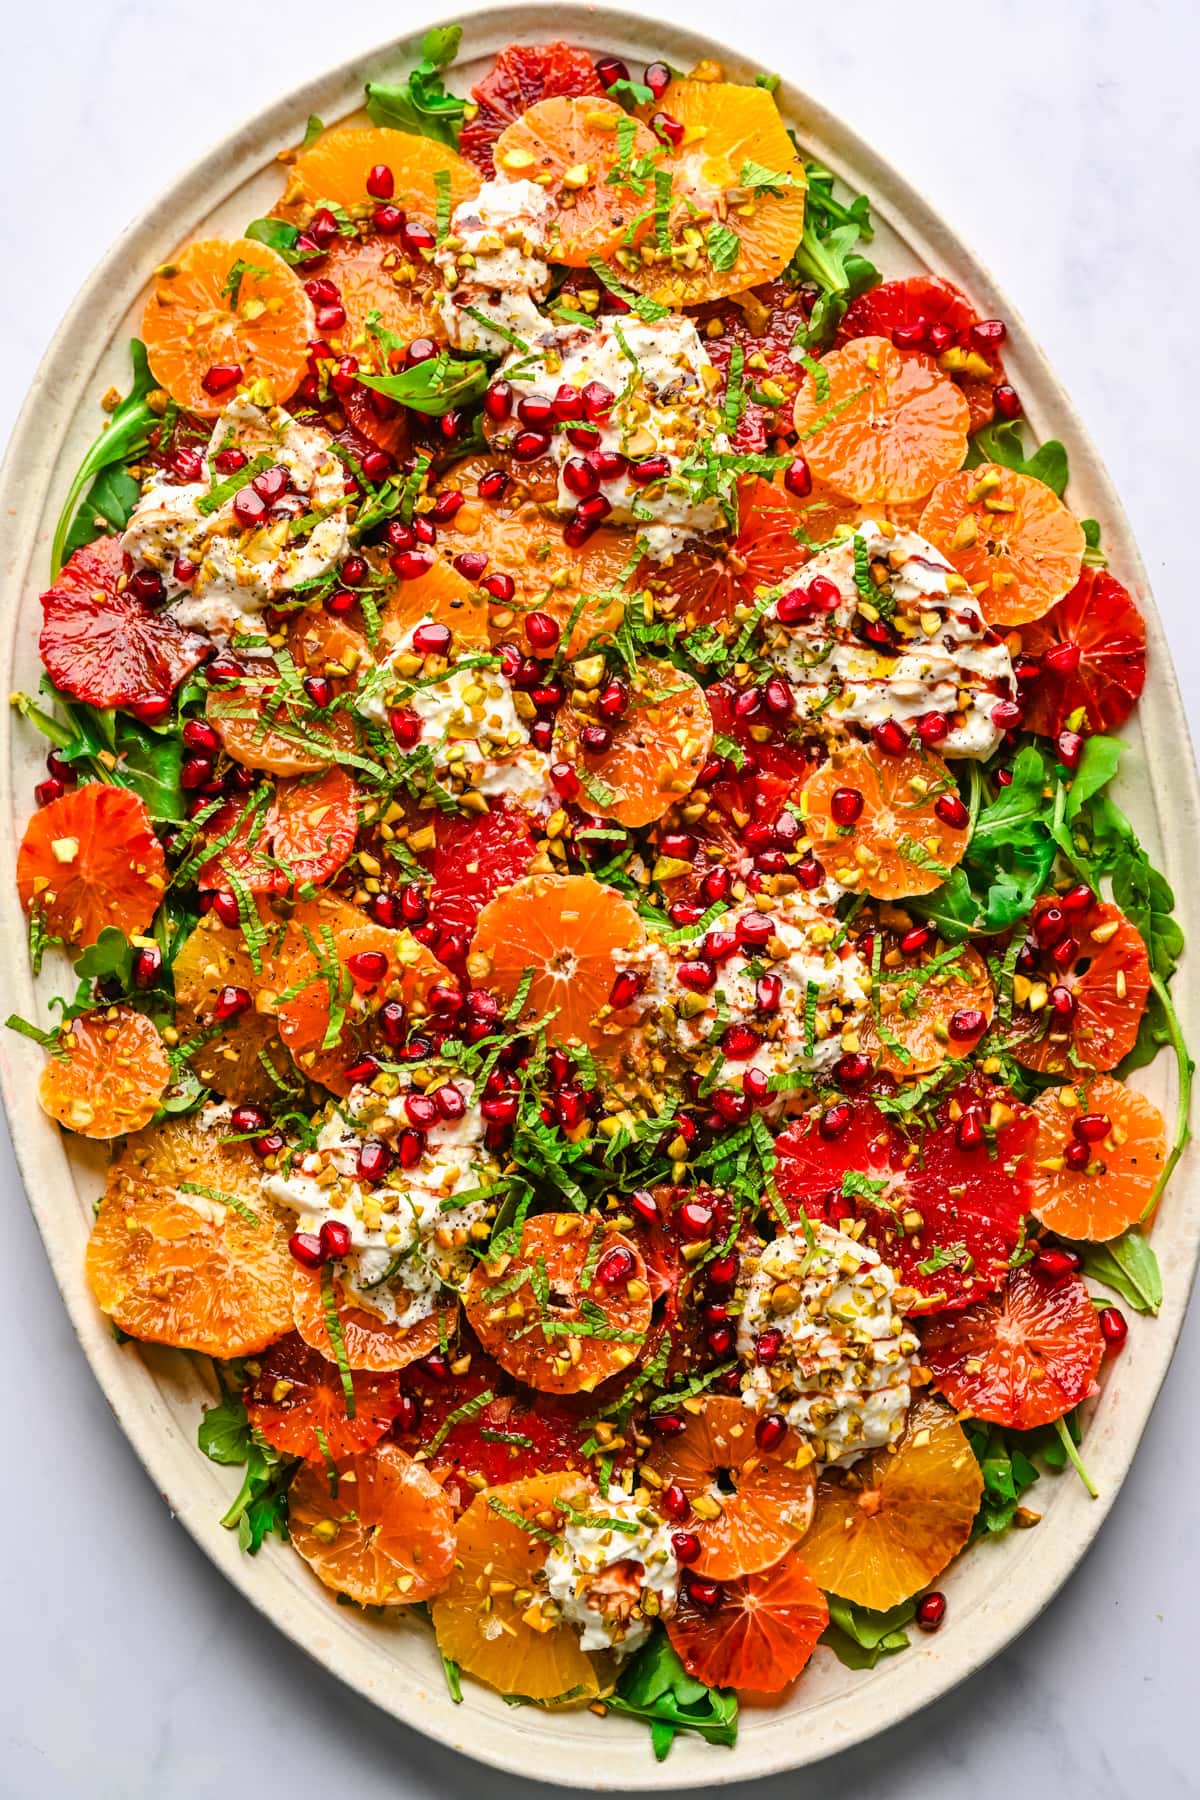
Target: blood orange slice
{"type": "Point", "coordinates": [571, 1308]}
{"type": "Point", "coordinates": [564, 930]}
{"type": "Point", "coordinates": [657, 750]}
{"type": "Point", "coordinates": [894, 841]}
{"type": "Point", "coordinates": [570, 147]}
{"type": "Point", "coordinates": [226, 314]}
{"type": "Point", "coordinates": [750, 1505]}
{"type": "Point", "coordinates": [186, 1249]}
{"type": "Point", "coordinates": [918, 305]}
{"type": "Point", "coordinates": [762, 323]}
{"type": "Point", "coordinates": [881, 424]}
{"type": "Point", "coordinates": [377, 1527]}
{"type": "Point", "coordinates": [109, 1075]}
{"type": "Point", "coordinates": [475, 858]}
{"type": "Point", "coordinates": [926, 1007]}
{"type": "Point", "coordinates": [886, 1527]}
{"type": "Point", "coordinates": [91, 859]}
{"type": "Point", "coordinates": [1020, 1358]}
{"type": "Point", "coordinates": [102, 644]}
{"type": "Point", "coordinates": [757, 1635]}
{"type": "Point", "coordinates": [295, 1399]}
{"type": "Point", "coordinates": [1085, 1008]}
{"type": "Point", "coordinates": [1091, 648]}
{"type": "Point", "coordinates": [1010, 537]}
{"type": "Point", "coordinates": [334, 170]}
{"type": "Point", "coordinates": [490, 1618]}
{"type": "Point", "coordinates": [522, 75]}
{"type": "Point", "coordinates": [707, 584]}
{"type": "Point", "coordinates": [1099, 1155]}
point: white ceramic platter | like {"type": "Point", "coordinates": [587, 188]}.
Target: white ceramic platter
{"type": "Point", "coordinates": [996, 1590]}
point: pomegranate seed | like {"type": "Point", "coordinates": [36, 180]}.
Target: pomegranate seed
{"type": "Point", "coordinates": [686, 1546]}
{"type": "Point", "coordinates": [767, 1345]}
{"type": "Point", "coordinates": [644, 1206]}
{"type": "Point", "coordinates": [890, 737]}
{"type": "Point", "coordinates": [770, 1431]}
{"type": "Point", "coordinates": [577, 531]}
{"type": "Point", "coordinates": [1006, 715]}
{"type": "Point", "coordinates": [248, 507]}
{"type": "Point", "coordinates": [226, 907]}
{"type": "Point", "coordinates": [719, 1339]}
{"type": "Point", "coordinates": [941, 336]}
{"type": "Point", "coordinates": [1054, 1263]}
{"type": "Point", "coordinates": [705, 1593]}
{"type": "Point", "coordinates": [385, 910]}
{"type": "Point", "coordinates": [345, 376]}
{"type": "Point", "coordinates": [931, 1610]}
{"type": "Point", "coordinates": [1006, 400]}
{"type": "Point", "coordinates": [910, 334]}
{"type": "Point", "coordinates": [1064, 953]}
{"type": "Point", "coordinates": [583, 437]}
{"type": "Point", "coordinates": [718, 945]}
{"type": "Point", "coordinates": [678, 844]}
{"type": "Point", "coordinates": [536, 410]}
{"type": "Point", "coordinates": [988, 334]}
{"type": "Point", "coordinates": [609, 465]}
{"type": "Point", "coordinates": [527, 446]}
{"type": "Point", "coordinates": [147, 966]}
{"type": "Point", "coordinates": [1068, 747]}
{"type": "Point", "coordinates": [667, 130]}
{"type": "Point", "coordinates": [968, 1022]}
{"type": "Point", "coordinates": [613, 702]}
{"type": "Point", "coordinates": [147, 585]}
{"type": "Point", "coordinates": [755, 930]}
{"type": "Point", "coordinates": [408, 1415]}
{"type": "Point", "coordinates": [376, 464]}
{"type": "Point", "coordinates": [307, 1249]}
{"type": "Point", "coordinates": [319, 689]}
{"type": "Point", "coordinates": [716, 885]}
{"type": "Point", "coordinates": [777, 696]}
{"type": "Point", "coordinates": [381, 184]}
{"type": "Point", "coordinates": [809, 872]}
{"type": "Point", "coordinates": [1113, 1327]}
{"type": "Point", "coordinates": [249, 1119]}
{"type": "Point", "coordinates": [738, 1043]}
{"type": "Point", "coordinates": [1092, 1127]}
{"type": "Point", "coordinates": [446, 1000]}
{"type": "Point", "coordinates": [1063, 1002]}
{"type": "Point", "coordinates": [374, 1161]}
{"type": "Point", "coordinates": [933, 728]}
{"type": "Point", "coordinates": [1077, 1157]}
{"type": "Point", "coordinates": [1063, 659]}
{"type": "Point", "coordinates": [198, 734]}
{"type": "Point", "coordinates": [221, 377]}
{"type": "Point", "coordinates": [593, 511]}
{"type": "Point", "coordinates": [335, 1238]}
{"type": "Point", "coordinates": [387, 220]}
{"type": "Point", "coordinates": [1077, 901]}
{"type": "Point", "coordinates": [951, 811]}
{"type": "Point", "coordinates": [492, 485]}
{"type": "Point", "coordinates": [340, 603]}
{"type": "Point", "coordinates": [420, 1110]}
{"type": "Point", "coordinates": [697, 977]}
{"type": "Point", "coordinates": [615, 1267]}
{"type": "Point", "coordinates": [579, 477]}
{"type": "Point", "coordinates": [471, 564]}
{"type": "Point", "coordinates": [449, 1101]}
{"type": "Point", "coordinates": [501, 587]}
{"type": "Point", "coordinates": [695, 1220]}
{"type": "Point", "coordinates": [431, 639]}
{"type": "Point", "coordinates": [722, 1272]}
{"type": "Point", "coordinates": [195, 772]}
{"type": "Point", "coordinates": [968, 1133]}
{"type": "Point", "coordinates": [565, 780]}
{"type": "Point", "coordinates": [625, 990]}
{"type": "Point", "coordinates": [675, 1502]}
{"type": "Point", "coordinates": [595, 739]}
{"type": "Point", "coordinates": [184, 570]}
{"type": "Point", "coordinates": [917, 938]}
{"type": "Point", "coordinates": [323, 227]}
{"type": "Point", "coordinates": [231, 1003]}
{"type": "Point", "coordinates": [1049, 926]}
{"type": "Point", "coordinates": [366, 967]}
{"type": "Point", "coordinates": [331, 318]}
{"type": "Point", "coordinates": [405, 727]}
{"type": "Point", "coordinates": [542, 631]}
{"type": "Point", "coordinates": [567, 403]}
{"type": "Point", "coordinates": [768, 993]}
{"type": "Point", "coordinates": [797, 478]}
{"type": "Point", "coordinates": [851, 1070]}
{"type": "Point", "coordinates": [598, 401]}
{"type": "Point", "coordinates": [501, 1111]}
{"type": "Point", "coordinates": [410, 1148]}
{"type": "Point", "coordinates": [652, 468]}
{"type": "Point", "coordinates": [188, 465]}
{"type": "Point", "coordinates": [845, 806]}
{"type": "Point", "coordinates": [269, 1145]}
{"type": "Point", "coordinates": [824, 594]}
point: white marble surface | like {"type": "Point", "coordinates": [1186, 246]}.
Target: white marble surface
{"type": "Point", "coordinates": [1061, 140]}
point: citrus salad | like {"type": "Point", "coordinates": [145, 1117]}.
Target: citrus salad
{"type": "Point", "coordinates": [579, 807]}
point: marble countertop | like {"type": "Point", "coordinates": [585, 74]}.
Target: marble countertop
{"type": "Point", "coordinates": [1061, 141]}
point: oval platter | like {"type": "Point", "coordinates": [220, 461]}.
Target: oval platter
{"type": "Point", "coordinates": [156, 1395]}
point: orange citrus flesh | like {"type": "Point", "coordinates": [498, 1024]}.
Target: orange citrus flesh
{"type": "Point", "coordinates": [898, 845]}
{"type": "Point", "coordinates": [227, 304]}
{"type": "Point", "coordinates": [726, 128]}
{"type": "Point", "coordinates": [294, 1399]}
{"type": "Point", "coordinates": [570, 147]}
{"type": "Point", "coordinates": [262, 728]}
{"type": "Point", "coordinates": [91, 859]}
{"type": "Point", "coordinates": [1010, 537]}
{"type": "Point", "coordinates": [563, 929]}
{"type": "Point", "coordinates": [534, 1312]}
{"type": "Point", "coordinates": [446, 598]}
{"type": "Point", "coordinates": [658, 749]}
{"type": "Point", "coordinates": [885, 1527]}
{"type": "Point", "coordinates": [371, 1341]}
{"type": "Point", "coordinates": [759, 1635]}
{"type": "Point", "coordinates": [1108, 981]}
{"type": "Point", "coordinates": [749, 1505]}
{"type": "Point", "coordinates": [242, 1057]}
{"type": "Point", "coordinates": [207, 1271]}
{"type": "Point", "coordinates": [1020, 1358]}
{"type": "Point", "coordinates": [334, 170]}
{"type": "Point", "coordinates": [374, 275]}
{"type": "Point", "coordinates": [490, 1617]}
{"type": "Point", "coordinates": [925, 1008]}
{"type": "Point", "coordinates": [110, 1076]}
{"type": "Point", "coordinates": [883, 424]}
{"type": "Point", "coordinates": [315, 825]}
{"type": "Point", "coordinates": [706, 584]}
{"type": "Point", "coordinates": [1115, 1187]}
{"type": "Point", "coordinates": [377, 1527]}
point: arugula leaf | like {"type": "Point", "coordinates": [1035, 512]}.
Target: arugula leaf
{"type": "Point", "coordinates": [827, 254]}
{"type": "Point", "coordinates": [281, 237]}
{"type": "Point", "coordinates": [858, 1638]}
{"type": "Point", "coordinates": [109, 501]}
{"type": "Point", "coordinates": [125, 436]}
{"type": "Point", "coordinates": [260, 1506]}
{"type": "Point", "coordinates": [658, 1689]}
{"type": "Point", "coordinates": [421, 103]}
{"type": "Point", "coordinates": [1008, 1473]}
{"type": "Point", "coordinates": [1128, 1266]}
{"type": "Point", "coordinates": [1002, 442]}
{"type": "Point", "coordinates": [434, 387]}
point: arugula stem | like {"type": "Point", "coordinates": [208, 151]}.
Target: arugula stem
{"type": "Point", "coordinates": [1068, 1444]}
{"type": "Point", "coordinates": [1185, 1068]}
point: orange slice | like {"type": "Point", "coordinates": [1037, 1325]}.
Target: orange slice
{"type": "Point", "coordinates": [764, 1498]}
{"type": "Point", "coordinates": [1083, 1012]}
{"type": "Point", "coordinates": [1020, 1358]}
{"type": "Point", "coordinates": [885, 1527]}
{"type": "Point", "coordinates": [240, 1057]}
{"type": "Point", "coordinates": [371, 1341]}
{"type": "Point", "coordinates": [91, 859]}
{"type": "Point", "coordinates": [443, 596]}
{"type": "Point", "coordinates": [315, 826]}
{"type": "Point", "coordinates": [708, 583]}
{"type": "Point", "coordinates": [882, 424]}
{"type": "Point", "coordinates": [373, 275]}
{"type": "Point", "coordinates": [897, 845]}
{"type": "Point", "coordinates": [205, 1270]}
{"type": "Point", "coordinates": [726, 129]}
{"type": "Point", "coordinates": [111, 1075]}
{"type": "Point", "coordinates": [925, 1008]}
{"type": "Point", "coordinates": [658, 748]}
{"type": "Point", "coordinates": [334, 170]}
{"type": "Point", "coordinates": [295, 1400]}
{"type": "Point", "coordinates": [226, 314]}
{"type": "Point", "coordinates": [536, 1312]}
{"type": "Point", "coordinates": [564, 929]}
{"type": "Point", "coordinates": [377, 1527]}
{"type": "Point", "coordinates": [489, 1617]}
{"type": "Point", "coordinates": [264, 726]}
{"type": "Point", "coordinates": [758, 1635]}
{"type": "Point", "coordinates": [570, 147]}
{"type": "Point", "coordinates": [1010, 537]}
{"type": "Point", "coordinates": [1115, 1185]}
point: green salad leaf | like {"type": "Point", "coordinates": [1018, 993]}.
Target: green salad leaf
{"type": "Point", "coordinates": [658, 1689]}
{"type": "Point", "coordinates": [125, 436]}
{"type": "Point", "coordinates": [421, 102]}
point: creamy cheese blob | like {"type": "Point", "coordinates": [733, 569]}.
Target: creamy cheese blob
{"type": "Point", "coordinates": [407, 1235]}
{"type": "Point", "coordinates": [613, 1571]}
{"type": "Point", "coordinates": [786, 997]}
{"type": "Point", "coordinates": [844, 1358]}
{"type": "Point", "coordinates": [939, 656]}
{"type": "Point", "coordinates": [240, 568]}
{"type": "Point", "coordinates": [494, 267]}
{"type": "Point", "coordinates": [468, 718]}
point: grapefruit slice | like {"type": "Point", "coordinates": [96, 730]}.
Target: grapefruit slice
{"type": "Point", "coordinates": [886, 1527]}
{"type": "Point", "coordinates": [759, 1634]}
{"type": "Point", "coordinates": [110, 1075]}
{"type": "Point", "coordinates": [1020, 1358]}
{"type": "Point", "coordinates": [295, 1399]}
{"type": "Point", "coordinates": [379, 1528]}
{"type": "Point", "coordinates": [898, 843]}
{"type": "Point", "coordinates": [1123, 1138]}
{"type": "Point", "coordinates": [1091, 648]}
{"type": "Point", "coordinates": [570, 147]}
{"type": "Point", "coordinates": [762, 1499]}
{"type": "Point", "coordinates": [102, 644]}
{"type": "Point", "coordinates": [91, 859]}
{"type": "Point", "coordinates": [522, 75]}
{"type": "Point", "coordinates": [1084, 1007]}
{"type": "Point", "coordinates": [657, 750]}
{"type": "Point", "coordinates": [1009, 536]}
{"type": "Point", "coordinates": [476, 857]}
